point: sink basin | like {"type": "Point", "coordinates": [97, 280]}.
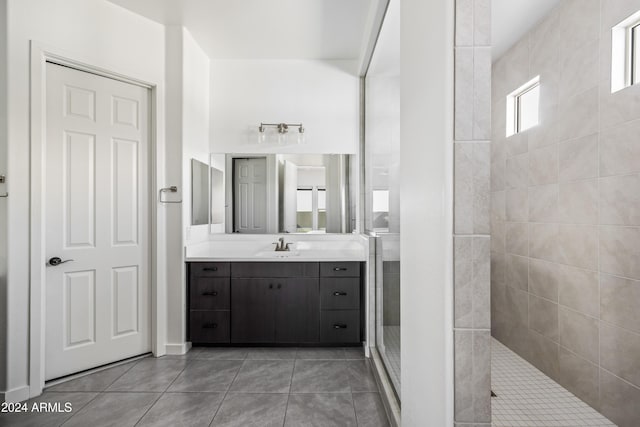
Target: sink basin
{"type": "Point", "coordinates": [275, 254]}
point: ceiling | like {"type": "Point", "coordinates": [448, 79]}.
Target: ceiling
{"type": "Point", "coordinates": [386, 56]}
{"type": "Point", "coordinates": [261, 29]}
{"type": "Point", "coordinates": [306, 29]}
{"type": "Point", "coordinates": [511, 19]}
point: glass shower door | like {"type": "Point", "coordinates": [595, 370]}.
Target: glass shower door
{"type": "Point", "coordinates": [382, 187]}
{"type": "Point", "coordinates": [388, 304]}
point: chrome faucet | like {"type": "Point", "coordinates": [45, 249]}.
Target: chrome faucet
{"type": "Point", "coordinates": [281, 246]}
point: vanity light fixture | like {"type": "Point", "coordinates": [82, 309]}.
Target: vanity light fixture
{"type": "Point", "coordinates": [283, 130]}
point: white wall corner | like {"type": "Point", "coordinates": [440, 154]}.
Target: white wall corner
{"type": "Point", "coordinates": [178, 349]}
{"type": "Point", "coordinates": [15, 395]}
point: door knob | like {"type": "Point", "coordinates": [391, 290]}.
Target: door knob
{"type": "Point", "coordinates": [57, 261]}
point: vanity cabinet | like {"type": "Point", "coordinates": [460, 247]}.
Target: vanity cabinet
{"type": "Point", "coordinates": [340, 302]}
{"type": "Point", "coordinates": [209, 301]}
{"type": "Point", "coordinates": [275, 303]}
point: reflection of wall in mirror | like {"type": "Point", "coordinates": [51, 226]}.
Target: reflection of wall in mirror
{"type": "Point", "coordinates": [199, 192]}
{"type": "Point", "coordinates": [217, 196]}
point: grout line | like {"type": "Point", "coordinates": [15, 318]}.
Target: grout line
{"type": "Point", "coordinates": [149, 408]}
{"type": "Point", "coordinates": [620, 378]}
{"type": "Point", "coordinates": [599, 181]}
{"type": "Point", "coordinates": [228, 388]}
{"type": "Point", "coordinates": [161, 394]}
{"type": "Point", "coordinates": [286, 408]}
{"type": "Point", "coordinates": [81, 408]}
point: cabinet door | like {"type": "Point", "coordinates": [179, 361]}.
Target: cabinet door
{"type": "Point", "coordinates": [298, 310]}
{"type": "Point", "coordinates": [253, 310]}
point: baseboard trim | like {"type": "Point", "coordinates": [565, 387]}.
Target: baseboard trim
{"type": "Point", "coordinates": [177, 349]}
{"type": "Point", "coordinates": [16, 395]}
{"type": "Point", "coordinates": [389, 399]}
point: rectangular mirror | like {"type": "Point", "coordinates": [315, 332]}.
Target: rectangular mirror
{"type": "Point", "coordinates": [287, 193]}
{"type": "Point", "coordinates": [199, 192]}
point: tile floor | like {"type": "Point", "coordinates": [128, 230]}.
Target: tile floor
{"type": "Point", "coordinates": [527, 397]}
{"type": "Point", "coordinates": [221, 387]}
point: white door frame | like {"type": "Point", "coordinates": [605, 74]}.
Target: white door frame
{"type": "Point", "coordinates": [40, 55]}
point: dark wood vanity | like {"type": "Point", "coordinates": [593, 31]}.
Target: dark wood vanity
{"type": "Point", "coordinates": [275, 303]}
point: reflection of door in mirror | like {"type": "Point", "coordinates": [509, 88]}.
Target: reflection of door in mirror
{"type": "Point", "coordinates": [250, 195]}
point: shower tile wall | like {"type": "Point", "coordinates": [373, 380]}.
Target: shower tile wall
{"type": "Point", "coordinates": [472, 323]}
{"type": "Point", "coordinates": [565, 217]}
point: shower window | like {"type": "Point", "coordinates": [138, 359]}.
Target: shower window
{"type": "Point", "coordinates": [311, 213]}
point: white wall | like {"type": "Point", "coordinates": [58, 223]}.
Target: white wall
{"type": "Point", "coordinates": [3, 202]}
{"type": "Point", "coordinates": [195, 122]}
{"type": "Point", "coordinates": [187, 68]}
{"type": "Point", "coordinates": [426, 176]}
{"type": "Point", "coordinates": [102, 34]}
{"type": "Point", "coordinates": [323, 95]}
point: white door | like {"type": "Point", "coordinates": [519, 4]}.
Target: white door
{"type": "Point", "coordinates": [250, 195]}
{"type": "Point", "coordinates": [97, 221]}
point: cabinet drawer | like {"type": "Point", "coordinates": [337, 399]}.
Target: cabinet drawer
{"type": "Point", "coordinates": [340, 293]}
{"type": "Point", "coordinates": [210, 269]}
{"type": "Point", "coordinates": [274, 269]}
{"type": "Point", "coordinates": [340, 326]}
{"type": "Point", "coordinates": [340, 269]}
{"type": "Point", "coordinates": [207, 293]}
{"type": "Point", "coordinates": [209, 326]}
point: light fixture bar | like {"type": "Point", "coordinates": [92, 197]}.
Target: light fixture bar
{"type": "Point", "coordinates": [282, 127]}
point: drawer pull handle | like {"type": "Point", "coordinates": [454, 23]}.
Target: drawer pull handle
{"type": "Point", "coordinates": [339, 326]}
{"type": "Point", "coordinates": [210, 326]}
{"type": "Point", "coordinates": [210, 294]}
{"type": "Point", "coordinates": [270, 285]}
{"type": "Point", "coordinates": [279, 286]}
{"type": "Point", "coordinates": [340, 268]}
{"type": "Point", "coordinates": [210, 269]}
{"type": "Point", "coordinates": [339, 294]}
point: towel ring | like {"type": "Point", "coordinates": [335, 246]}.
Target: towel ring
{"type": "Point", "coordinates": [172, 189]}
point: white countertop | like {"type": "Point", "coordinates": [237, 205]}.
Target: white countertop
{"type": "Point", "coordinates": [233, 248]}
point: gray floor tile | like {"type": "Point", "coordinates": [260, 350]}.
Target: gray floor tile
{"type": "Point", "coordinates": [149, 375]}
{"type": "Point", "coordinates": [316, 376]}
{"type": "Point", "coordinates": [258, 381]}
{"type": "Point", "coordinates": [113, 409]}
{"type": "Point", "coordinates": [370, 410]}
{"type": "Point", "coordinates": [98, 381]}
{"type": "Point", "coordinates": [251, 410]}
{"type": "Point", "coordinates": [264, 376]}
{"type": "Point", "coordinates": [182, 409]}
{"type": "Point", "coordinates": [271, 353]}
{"type": "Point", "coordinates": [320, 410]}
{"type": "Point", "coordinates": [207, 375]}
{"type": "Point", "coordinates": [321, 353]}
{"type": "Point", "coordinates": [354, 352]}
{"type": "Point", "coordinates": [221, 353]}
{"type": "Point", "coordinates": [47, 419]}
{"type": "Point", "coordinates": [361, 376]}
